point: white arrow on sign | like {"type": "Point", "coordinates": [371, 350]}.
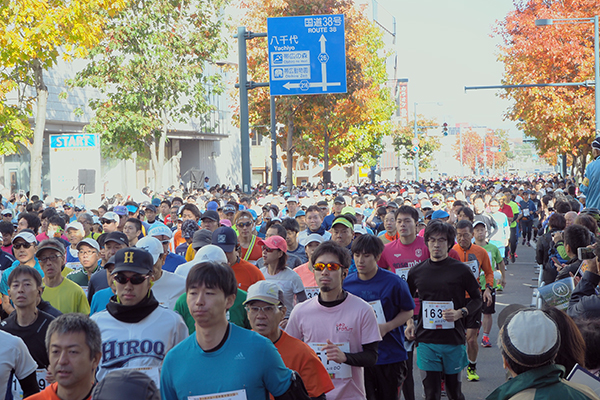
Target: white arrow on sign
{"type": "Point", "coordinates": [323, 58]}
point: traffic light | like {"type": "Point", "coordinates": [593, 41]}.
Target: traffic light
{"type": "Point", "coordinates": [445, 128]}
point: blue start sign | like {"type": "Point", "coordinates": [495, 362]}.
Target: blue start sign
{"type": "Point", "coordinates": [73, 141]}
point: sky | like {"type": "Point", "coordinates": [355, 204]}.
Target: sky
{"type": "Point", "coordinates": [445, 45]}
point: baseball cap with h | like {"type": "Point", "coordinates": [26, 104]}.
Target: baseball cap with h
{"type": "Point", "coordinates": [133, 259]}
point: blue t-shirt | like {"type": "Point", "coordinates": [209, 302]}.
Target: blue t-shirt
{"type": "Point", "coordinates": [172, 262]}
{"type": "Point", "coordinates": [6, 273]}
{"type": "Point", "coordinates": [247, 361]}
{"type": "Point", "coordinates": [327, 221]}
{"type": "Point", "coordinates": [100, 300]}
{"type": "Point", "coordinates": [395, 297]}
{"type": "Point", "coordinates": [300, 253]}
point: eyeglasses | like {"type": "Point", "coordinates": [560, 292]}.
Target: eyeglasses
{"type": "Point", "coordinates": [244, 224]}
{"type": "Point", "coordinates": [49, 258]}
{"type": "Point", "coordinates": [135, 279]}
{"type": "Point", "coordinates": [268, 250]}
{"type": "Point", "coordinates": [87, 253]}
{"type": "Point", "coordinates": [265, 309]}
{"type": "Point", "coordinates": [329, 266]}
{"type": "Point", "coordinates": [19, 245]}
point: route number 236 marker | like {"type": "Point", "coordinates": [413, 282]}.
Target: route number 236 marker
{"type": "Point", "coordinates": [307, 55]}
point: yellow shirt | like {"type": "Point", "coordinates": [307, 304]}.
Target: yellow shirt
{"type": "Point", "coordinates": [190, 253]}
{"type": "Point", "coordinates": [67, 297]}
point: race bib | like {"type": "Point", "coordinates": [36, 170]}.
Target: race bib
{"type": "Point", "coordinates": [378, 311]}
{"type": "Point", "coordinates": [526, 212]}
{"type": "Point", "coordinates": [17, 392]}
{"type": "Point", "coordinates": [403, 272]}
{"type": "Point", "coordinates": [335, 370]}
{"type": "Point", "coordinates": [474, 267]}
{"type": "Point", "coordinates": [311, 292]}
{"type": "Point", "coordinates": [433, 312]}
{"type": "Point", "coordinates": [235, 395]}
{"type": "Point", "coordinates": [75, 265]}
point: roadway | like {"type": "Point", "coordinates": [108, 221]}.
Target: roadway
{"type": "Point", "coordinates": [520, 278]}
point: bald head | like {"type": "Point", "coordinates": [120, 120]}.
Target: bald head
{"type": "Point", "coordinates": [570, 217]}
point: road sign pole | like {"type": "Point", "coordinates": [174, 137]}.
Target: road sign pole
{"type": "Point", "coordinates": [244, 123]}
{"type": "Point", "coordinates": [274, 180]}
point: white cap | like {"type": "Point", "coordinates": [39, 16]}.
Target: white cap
{"type": "Point", "coordinates": [90, 242]}
{"type": "Point", "coordinates": [267, 291]}
{"type": "Point", "coordinates": [152, 245]}
{"type": "Point", "coordinates": [210, 252]}
{"type": "Point", "coordinates": [75, 225]}
{"type": "Point", "coordinates": [358, 228]}
{"type": "Point", "coordinates": [160, 229]}
{"type": "Point", "coordinates": [27, 236]}
{"type": "Point", "coordinates": [313, 237]}
{"type": "Point", "coordinates": [111, 216]}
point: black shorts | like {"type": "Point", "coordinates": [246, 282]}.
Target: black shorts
{"type": "Point", "coordinates": [491, 309]}
{"type": "Point", "coordinates": [473, 321]}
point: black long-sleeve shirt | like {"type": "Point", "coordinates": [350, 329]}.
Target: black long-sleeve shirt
{"type": "Point", "coordinates": [446, 280]}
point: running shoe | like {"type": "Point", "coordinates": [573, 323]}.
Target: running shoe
{"type": "Point", "coordinates": [499, 288]}
{"type": "Point", "coordinates": [472, 374]}
{"type": "Point", "coordinates": [485, 342]}
{"type": "Point", "coordinates": [512, 258]}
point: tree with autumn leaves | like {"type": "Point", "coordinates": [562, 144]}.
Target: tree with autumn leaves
{"type": "Point", "coordinates": [474, 153]}
{"type": "Point", "coordinates": [561, 119]}
{"type": "Point", "coordinates": [403, 136]}
{"type": "Point", "coordinates": [33, 35]}
{"type": "Point", "coordinates": [342, 128]}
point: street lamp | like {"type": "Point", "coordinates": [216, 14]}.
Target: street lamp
{"type": "Point", "coordinates": [416, 139]}
{"type": "Point", "coordinates": [545, 22]}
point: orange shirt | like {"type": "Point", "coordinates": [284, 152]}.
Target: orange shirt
{"type": "Point", "coordinates": [307, 276]}
{"type": "Point", "coordinates": [298, 356]}
{"type": "Point", "coordinates": [483, 260]}
{"type": "Point", "coordinates": [177, 238]}
{"type": "Point", "coordinates": [50, 394]}
{"type": "Point", "coordinates": [247, 274]}
{"type": "Point", "coordinates": [255, 254]}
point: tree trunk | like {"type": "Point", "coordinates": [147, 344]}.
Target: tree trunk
{"type": "Point", "coordinates": [289, 180]}
{"type": "Point", "coordinates": [326, 155]}
{"type": "Point", "coordinates": [35, 175]}
{"type": "Point", "coordinates": [160, 164]}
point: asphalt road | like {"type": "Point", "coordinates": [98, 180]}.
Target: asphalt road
{"type": "Point", "coordinates": [521, 277]}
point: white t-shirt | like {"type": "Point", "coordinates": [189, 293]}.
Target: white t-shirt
{"type": "Point", "coordinates": [289, 282]}
{"type": "Point", "coordinates": [352, 323]}
{"type": "Point", "coordinates": [14, 355]}
{"type": "Point", "coordinates": [168, 289]}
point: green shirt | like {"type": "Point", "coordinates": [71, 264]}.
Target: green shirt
{"type": "Point", "coordinates": [236, 314]}
{"type": "Point", "coordinates": [81, 277]}
{"type": "Point", "coordinates": [516, 211]}
{"type": "Point", "coordinates": [495, 259]}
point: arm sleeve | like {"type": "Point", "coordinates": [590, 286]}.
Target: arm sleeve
{"type": "Point", "coordinates": [29, 385]}
{"type": "Point", "coordinates": [167, 392]}
{"type": "Point", "coordinates": [584, 299]}
{"type": "Point", "coordinates": [366, 358]}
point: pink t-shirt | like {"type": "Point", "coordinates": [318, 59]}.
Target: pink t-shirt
{"type": "Point", "coordinates": [307, 276]}
{"type": "Point", "coordinates": [351, 322]}
{"type": "Point", "coordinates": [397, 255]}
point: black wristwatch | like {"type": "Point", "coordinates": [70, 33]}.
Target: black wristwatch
{"type": "Point", "coordinates": [464, 312]}
{"type": "Point", "coordinates": [488, 286]}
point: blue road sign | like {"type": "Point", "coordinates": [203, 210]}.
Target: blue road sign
{"type": "Point", "coordinates": [307, 54]}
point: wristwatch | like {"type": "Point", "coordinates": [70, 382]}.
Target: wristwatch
{"type": "Point", "coordinates": [464, 312]}
{"type": "Point", "coordinates": [488, 286]}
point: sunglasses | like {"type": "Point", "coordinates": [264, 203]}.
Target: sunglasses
{"type": "Point", "coordinates": [19, 245]}
{"type": "Point", "coordinates": [329, 266]}
{"type": "Point", "coordinates": [268, 250]}
{"type": "Point", "coordinates": [244, 224]}
{"type": "Point", "coordinates": [135, 279]}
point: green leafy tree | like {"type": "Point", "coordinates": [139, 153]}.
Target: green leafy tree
{"type": "Point", "coordinates": [33, 35]}
{"type": "Point", "coordinates": [339, 128]}
{"type": "Point", "coordinates": [403, 136]}
{"type": "Point", "coordinates": [152, 69]}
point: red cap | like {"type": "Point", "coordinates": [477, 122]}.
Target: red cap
{"type": "Point", "coordinates": [274, 242]}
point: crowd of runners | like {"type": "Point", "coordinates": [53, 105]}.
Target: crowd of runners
{"type": "Point", "coordinates": [321, 292]}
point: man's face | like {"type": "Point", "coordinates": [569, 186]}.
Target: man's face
{"type": "Point", "coordinates": [406, 226]}
{"type": "Point", "coordinates": [292, 208]}
{"type": "Point", "coordinates": [51, 262]}
{"type": "Point", "coordinates": [22, 224]}
{"type": "Point", "coordinates": [44, 224]}
{"type": "Point", "coordinates": [70, 360]}
{"type": "Point", "coordinates": [207, 223]}
{"type": "Point", "coordinates": [88, 256]}
{"type": "Point", "coordinates": [164, 240]}
{"type": "Point", "coordinates": [264, 322]}
{"type": "Point", "coordinates": [69, 211]}
{"type": "Point", "coordinates": [479, 206]}
{"type": "Point", "coordinates": [24, 292]}
{"type": "Point", "coordinates": [462, 216]}
{"type": "Point", "coordinates": [131, 231]}
{"type": "Point", "coordinates": [271, 232]}
{"type": "Point", "coordinates": [309, 249]}
{"type": "Point", "coordinates": [438, 247]}
{"type": "Point", "coordinates": [570, 217]}
{"type": "Point", "coordinates": [74, 235]}
{"type": "Point", "coordinates": [301, 221]}
{"type": "Point", "coordinates": [323, 211]}
{"type": "Point", "coordinates": [337, 208]}
{"type": "Point", "coordinates": [6, 239]}
{"type": "Point", "coordinates": [128, 293]}
{"type": "Point", "coordinates": [111, 248]}
{"type": "Point", "coordinates": [150, 215]}
{"type": "Point", "coordinates": [24, 251]}
{"type": "Point", "coordinates": [480, 233]}
{"type": "Point", "coordinates": [389, 223]}
{"type": "Point", "coordinates": [313, 220]}
{"type": "Point", "coordinates": [342, 235]}
{"type": "Point", "coordinates": [187, 214]}
{"type": "Point", "coordinates": [245, 226]}
{"type": "Point", "coordinates": [108, 225]}
{"type": "Point", "coordinates": [291, 238]}
{"type": "Point", "coordinates": [464, 237]}
{"type": "Point", "coordinates": [6, 218]}
{"type": "Point", "coordinates": [208, 306]}
{"type": "Point", "coordinates": [494, 206]}
{"type": "Point", "coordinates": [366, 264]}
{"type": "Point", "coordinates": [87, 225]}
{"type": "Point", "coordinates": [326, 279]}
{"type": "Point", "coordinates": [229, 215]}
{"type": "Point", "coordinates": [164, 209]}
